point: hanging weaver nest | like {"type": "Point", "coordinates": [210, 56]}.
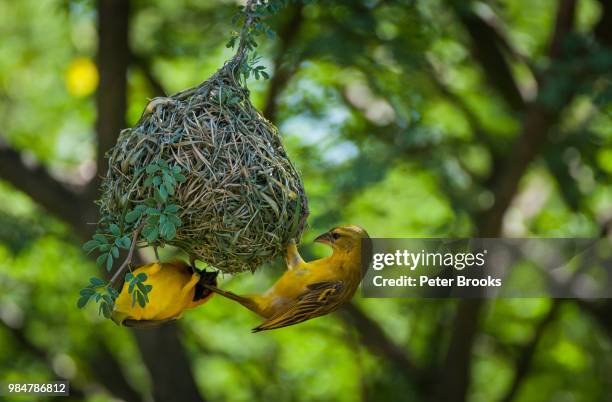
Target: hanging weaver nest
{"type": "Point", "coordinates": [242, 200]}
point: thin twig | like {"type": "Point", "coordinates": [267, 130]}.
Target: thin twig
{"type": "Point", "coordinates": [250, 18]}
{"type": "Point", "coordinates": [128, 259]}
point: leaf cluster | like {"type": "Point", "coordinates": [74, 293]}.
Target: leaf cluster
{"type": "Point", "coordinates": [100, 291]}
{"type": "Point", "coordinates": [137, 288]}
{"type": "Point", "coordinates": [108, 243]}
{"type": "Point", "coordinates": [152, 221]}
{"type": "Point", "coordinates": [247, 37]}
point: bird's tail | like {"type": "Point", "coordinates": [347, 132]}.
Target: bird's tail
{"type": "Point", "coordinates": [245, 301]}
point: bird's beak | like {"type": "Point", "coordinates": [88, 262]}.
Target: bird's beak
{"type": "Point", "coordinates": [325, 238]}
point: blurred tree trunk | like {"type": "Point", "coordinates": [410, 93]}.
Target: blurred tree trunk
{"type": "Point", "coordinates": [161, 348]}
{"type": "Point", "coordinates": [538, 120]}
{"type": "Point", "coordinates": [113, 60]}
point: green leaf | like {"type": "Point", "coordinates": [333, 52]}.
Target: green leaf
{"type": "Point", "coordinates": [113, 293]}
{"type": "Point", "coordinates": [169, 179]}
{"type": "Point", "coordinates": [148, 288]}
{"type": "Point", "coordinates": [171, 233]}
{"type": "Point", "coordinates": [100, 238]}
{"type": "Point", "coordinates": [152, 235]}
{"type": "Point", "coordinates": [97, 281]}
{"type": "Point", "coordinates": [152, 168]}
{"type": "Point", "coordinates": [163, 194]}
{"type": "Point", "coordinates": [133, 215]}
{"type": "Point", "coordinates": [90, 245]}
{"type": "Point", "coordinates": [169, 188]}
{"type": "Point", "coordinates": [171, 209]}
{"type": "Point", "coordinates": [141, 299]}
{"type": "Point", "coordinates": [107, 299]}
{"type": "Point", "coordinates": [109, 262]}
{"type": "Point", "coordinates": [101, 259]}
{"type": "Point", "coordinates": [87, 292]}
{"type": "Point", "coordinates": [115, 252]}
{"type": "Point", "coordinates": [125, 242]}
{"type": "Point", "coordinates": [168, 231]}
{"type": "Point", "coordinates": [180, 178]}
{"type": "Point", "coordinates": [141, 277]}
{"type": "Point", "coordinates": [128, 277]}
{"type": "Point", "coordinates": [106, 310]}
{"type": "Point", "coordinates": [82, 302]}
{"type": "Point", "coordinates": [114, 229]}
{"type": "Point", "coordinates": [176, 221]}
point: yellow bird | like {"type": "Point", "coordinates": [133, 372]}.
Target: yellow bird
{"type": "Point", "coordinates": [176, 287]}
{"type": "Point", "coordinates": [310, 289]}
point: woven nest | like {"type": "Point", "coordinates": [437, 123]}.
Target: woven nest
{"type": "Point", "coordinates": [243, 200]}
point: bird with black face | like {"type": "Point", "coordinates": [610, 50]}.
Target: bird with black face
{"type": "Point", "coordinates": [310, 289]}
{"type": "Point", "coordinates": [176, 287]}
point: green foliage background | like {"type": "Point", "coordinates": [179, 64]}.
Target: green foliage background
{"type": "Point", "coordinates": [397, 117]}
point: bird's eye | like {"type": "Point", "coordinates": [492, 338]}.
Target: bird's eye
{"type": "Point", "coordinates": [335, 236]}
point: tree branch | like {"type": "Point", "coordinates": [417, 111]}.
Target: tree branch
{"type": "Point", "coordinates": [602, 312]}
{"type": "Point", "coordinates": [20, 337]}
{"type": "Point", "coordinates": [603, 29]}
{"type": "Point", "coordinates": [104, 366]}
{"type": "Point", "coordinates": [523, 363]}
{"type": "Point", "coordinates": [282, 74]}
{"type": "Point", "coordinates": [144, 64]}
{"type": "Point", "coordinates": [161, 349]}
{"type": "Point", "coordinates": [564, 23]}
{"type": "Point", "coordinates": [108, 370]}
{"type": "Point", "coordinates": [487, 51]}
{"type": "Point", "coordinates": [377, 341]}
{"type": "Point", "coordinates": [536, 126]}
{"type": "Point", "coordinates": [37, 183]}
{"type": "Point", "coordinates": [112, 59]}
{"type": "Point", "coordinates": [165, 357]}
{"type": "Point", "coordinates": [128, 259]}
{"type": "Point", "coordinates": [454, 387]}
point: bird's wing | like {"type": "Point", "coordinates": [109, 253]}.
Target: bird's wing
{"type": "Point", "coordinates": [320, 298]}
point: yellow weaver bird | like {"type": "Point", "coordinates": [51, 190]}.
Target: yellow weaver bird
{"type": "Point", "coordinates": [176, 287]}
{"type": "Point", "coordinates": [310, 289]}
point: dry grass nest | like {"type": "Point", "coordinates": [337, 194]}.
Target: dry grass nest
{"type": "Point", "coordinates": [243, 199]}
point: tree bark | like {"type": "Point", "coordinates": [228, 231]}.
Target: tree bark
{"type": "Point", "coordinates": [49, 193]}
{"type": "Point", "coordinates": [537, 123]}
{"type": "Point", "coordinates": [168, 364]}
{"type": "Point", "coordinates": [113, 60]}
{"type": "Point", "coordinates": [161, 348]}
{"type": "Point", "coordinates": [283, 73]}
